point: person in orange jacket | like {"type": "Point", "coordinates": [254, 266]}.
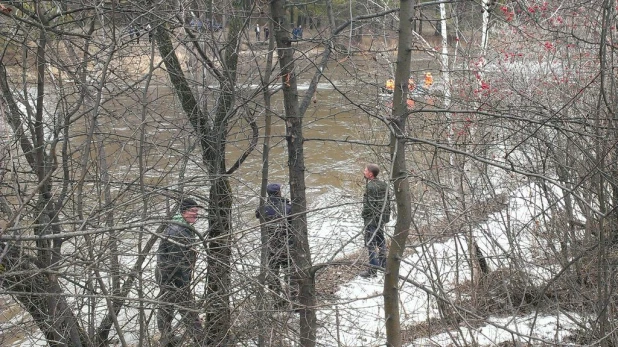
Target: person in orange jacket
{"type": "Point", "coordinates": [411, 84]}
{"type": "Point", "coordinates": [428, 80]}
{"type": "Point", "coordinates": [390, 85]}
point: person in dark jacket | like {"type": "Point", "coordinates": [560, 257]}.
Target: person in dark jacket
{"type": "Point", "coordinates": [276, 216]}
{"type": "Point", "coordinates": [295, 33]}
{"type": "Point", "coordinates": [176, 259]}
{"type": "Point", "coordinates": [376, 213]}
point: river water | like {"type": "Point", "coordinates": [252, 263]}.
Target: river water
{"type": "Point", "coordinates": [341, 136]}
{"type": "Point", "coordinates": [341, 132]}
{"type": "Point", "coordinates": [334, 161]}
{"type": "Point", "coordinates": [334, 157]}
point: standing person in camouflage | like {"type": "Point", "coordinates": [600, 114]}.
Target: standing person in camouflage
{"type": "Point", "coordinates": [277, 221]}
{"type": "Point", "coordinates": [176, 259]}
{"type": "Point", "coordinates": [376, 213]}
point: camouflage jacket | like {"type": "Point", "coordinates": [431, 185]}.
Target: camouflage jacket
{"type": "Point", "coordinates": [176, 256]}
{"type": "Point", "coordinates": [376, 203]}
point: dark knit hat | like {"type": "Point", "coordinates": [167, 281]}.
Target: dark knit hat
{"type": "Point", "coordinates": [273, 188]}
{"type": "Point", "coordinates": [188, 203]}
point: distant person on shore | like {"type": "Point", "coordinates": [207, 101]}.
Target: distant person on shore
{"type": "Point", "coordinates": [389, 86]}
{"type": "Point", "coordinates": [149, 31]}
{"type": "Point", "coordinates": [196, 24]}
{"type": "Point", "coordinates": [176, 259]}
{"type": "Point", "coordinates": [266, 33]}
{"type": "Point", "coordinates": [428, 80]}
{"type": "Point", "coordinates": [276, 216]}
{"type": "Point", "coordinates": [297, 33]}
{"type": "Point", "coordinates": [376, 213]}
{"type": "Point", "coordinates": [257, 32]}
{"type": "Point", "coordinates": [133, 32]}
{"type": "Point", "coordinates": [411, 84]}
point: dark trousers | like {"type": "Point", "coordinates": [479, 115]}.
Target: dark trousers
{"type": "Point", "coordinates": [376, 245]}
{"type": "Point", "coordinates": [171, 299]}
{"type": "Point", "coordinates": [279, 260]}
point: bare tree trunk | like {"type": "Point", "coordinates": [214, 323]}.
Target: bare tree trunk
{"type": "Point", "coordinates": [265, 160]}
{"type": "Point", "coordinates": [399, 176]}
{"type": "Point", "coordinates": [296, 165]}
{"type": "Point", "coordinates": [218, 277]}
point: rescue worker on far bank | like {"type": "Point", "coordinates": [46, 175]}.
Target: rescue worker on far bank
{"type": "Point", "coordinates": [376, 213]}
{"type": "Point", "coordinates": [276, 216]}
{"type": "Point", "coordinates": [428, 80]}
{"type": "Point", "coordinates": [389, 86]}
{"type": "Point", "coordinates": [176, 259]}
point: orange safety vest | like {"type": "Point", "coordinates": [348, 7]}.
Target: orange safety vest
{"type": "Point", "coordinates": [390, 84]}
{"type": "Point", "coordinates": [411, 84]}
{"type": "Point", "coordinates": [428, 79]}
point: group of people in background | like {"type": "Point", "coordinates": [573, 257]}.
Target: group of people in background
{"type": "Point", "coordinates": [258, 32]}
{"type": "Point", "coordinates": [413, 88]}
{"type": "Point", "coordinates": [136, 31]}
{"type": "Point", "coordinates": [177, 253]}
{"type": "Point", "coordinates": [297, 32]}
{"type": "Point", "coordinates": [389, 85]}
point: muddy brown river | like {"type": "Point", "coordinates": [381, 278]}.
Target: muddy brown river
{"type": "Point", "coordinates": [341, 136]}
